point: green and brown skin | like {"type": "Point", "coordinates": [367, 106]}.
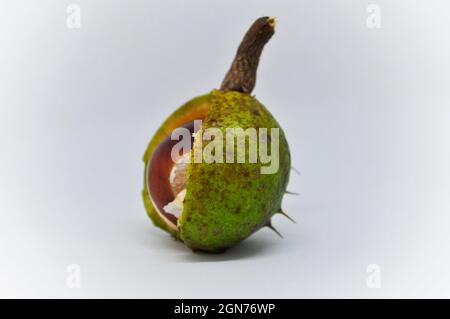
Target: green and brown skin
{"type": "Point", "coordinates": [227, 202]}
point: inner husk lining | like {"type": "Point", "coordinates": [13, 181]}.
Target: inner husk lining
{"type": "Point", "coordinates": [178, 178]}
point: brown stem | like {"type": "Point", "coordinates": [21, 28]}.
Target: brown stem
{"type": "Point", "coordinates": [241, 76]}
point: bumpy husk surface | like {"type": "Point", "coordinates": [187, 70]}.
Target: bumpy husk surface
{"type": "Point", "coordinates": [225, 202]}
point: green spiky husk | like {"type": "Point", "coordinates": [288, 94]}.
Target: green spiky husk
{"type": "Point", "coordinates": [225, 202]}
